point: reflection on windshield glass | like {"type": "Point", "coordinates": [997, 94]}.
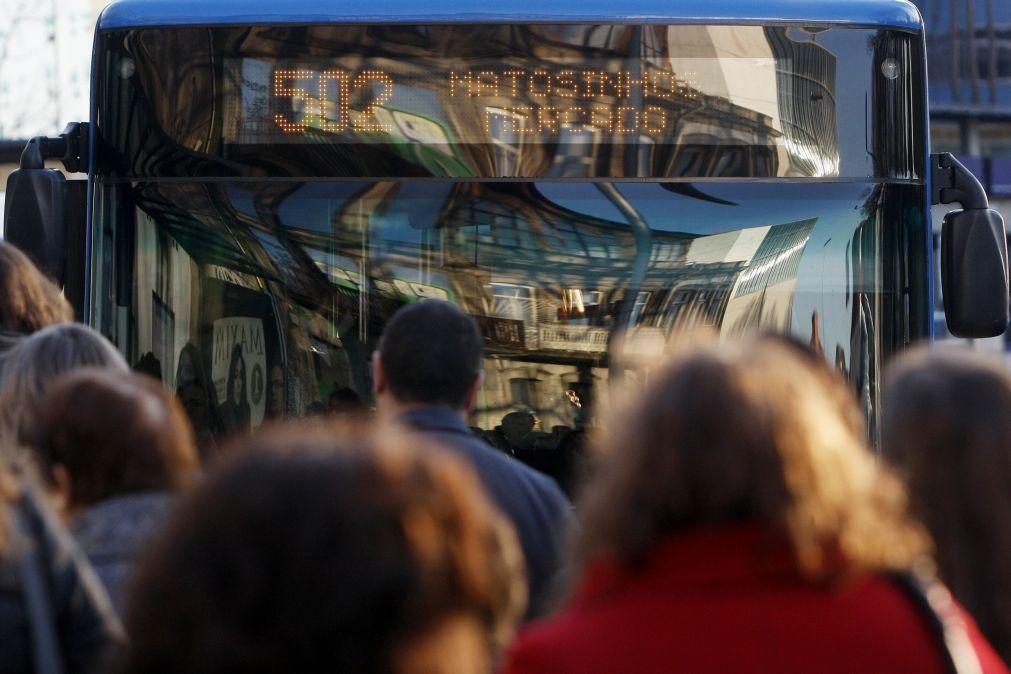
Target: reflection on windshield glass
{"type": "Point", "coordinates": [766, 95]}
{"type": "Point", "coordinates": [266, 299]}
{"type": "Point", "coordinates": [511, 101]}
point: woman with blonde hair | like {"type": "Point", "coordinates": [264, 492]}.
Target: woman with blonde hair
{"type": "Point", "coordinates": [947, 427]}
{"type": "Point", "coordinates": [738, 523]}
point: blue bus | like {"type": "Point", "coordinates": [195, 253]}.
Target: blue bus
{"type": "Point", "coordinates": [268, 182]}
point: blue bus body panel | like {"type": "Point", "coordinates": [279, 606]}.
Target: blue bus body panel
{"type": "Point", "coordinates": [900, 14]}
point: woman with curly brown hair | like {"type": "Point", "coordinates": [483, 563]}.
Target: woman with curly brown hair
{"type": "Point", "coordinates": [738, 523]}
{"type": "Point", "coordinates": [312, 552]}
{"type": "Point", "coordinates": [947, 426]}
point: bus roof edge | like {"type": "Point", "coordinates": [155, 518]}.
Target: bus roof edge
{"type": "Point", "coordinates": [900, 14]}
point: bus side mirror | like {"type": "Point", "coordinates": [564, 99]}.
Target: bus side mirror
{"type": "Point", "coordinates": [974, 262]}
{"type": "Point", "coordinates": [35, 210]}
{"type": "Point", "coordinates": [974, 273]}
{"type": "Point", "coordinates": [35, 217]}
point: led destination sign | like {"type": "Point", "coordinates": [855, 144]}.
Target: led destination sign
{"type": "Point", "coordinates": [443, 101]}
{"type": "Point", "coordinates": [542, 101]}
{"type": "Point", "coordinates": [577, 98]}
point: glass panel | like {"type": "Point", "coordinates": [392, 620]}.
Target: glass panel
{"type": "Point", "coordinates": [265, 299]}
{"type": "Point", "coordinates": [513, 101]}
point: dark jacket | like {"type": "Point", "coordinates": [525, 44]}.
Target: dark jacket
{"type": "Point", "coordinates": [113, 532]}
{"type": "Point", "coordinates": [732, 600]}
{"type": "Point", "coordinates": [84, 623]}
{"type": "Point", "coordinates": [538, 509]}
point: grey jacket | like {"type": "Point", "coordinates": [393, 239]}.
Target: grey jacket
{"type": "Point", "coordinates": [8, 340]}
{"type": "Point", "coordinates": [113, 532]}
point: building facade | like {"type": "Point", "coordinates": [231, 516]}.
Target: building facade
{"type": "Point", "coordinates": [969, 62]}
{"type": "Point", "coordinates": [969, 57]}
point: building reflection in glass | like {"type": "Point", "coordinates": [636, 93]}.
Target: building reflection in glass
{"type": "Point", "coordinates": [566, 101]}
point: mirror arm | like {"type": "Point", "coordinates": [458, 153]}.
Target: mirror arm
{"type": "Point", "coordinates": [70, 147]}
{"type": "Point", "coordinates": [953, 183]}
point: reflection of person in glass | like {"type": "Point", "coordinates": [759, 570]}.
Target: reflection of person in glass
{"type": "Point", "coordinates": [277, 405]}
{"type": "Point", "coordinates": [345, 402]}
{"type": "Point", "coordinates": [234, 412]}
{"type": "Point", "coordinates": [197, 398]}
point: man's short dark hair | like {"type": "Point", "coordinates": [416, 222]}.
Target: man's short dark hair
{"type": "Point", "coordinates": [431, 354]}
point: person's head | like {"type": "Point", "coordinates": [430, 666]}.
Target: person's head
{"type": "Point", "coordinates": [33, 365]}
{"type": "Point", "coordinates": [196, 404]}
{"type": "Point", "coordinates": [518, 427]}
{"type": "Point", "coordinates": [149, 365]}
{"type": "Point", "coordinates": [237, 377]}
{"type": "Point", "coordinates": [344, 401]}
{"type": "Point", "coordinates": [102, 433]}
{"type": "Point", "coordinates": [312, 551]}
{"type": "Point", "coordinates": [430, 354]}
{"type": "Point", "coordinates": [946, 425]}
{"type": "Point", "coordinates": [29, 301]}
{"type": "Point", "coordinates": [194, 391]}
{"type": "Point", "coordinates": [747, 432]}
{"type": "Point", "coordinates": [277, 399]}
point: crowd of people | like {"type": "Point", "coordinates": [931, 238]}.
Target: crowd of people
{"type": "Point", "coordinates": [734, 518]}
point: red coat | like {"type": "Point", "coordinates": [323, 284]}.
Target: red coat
{"type": "Point", "coordinates": [720, 602]}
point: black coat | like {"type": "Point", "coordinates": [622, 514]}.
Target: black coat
{"type": "Point", "coordinates": [538, 509]}
{"type": "Point", "coordinates": [84, 622]}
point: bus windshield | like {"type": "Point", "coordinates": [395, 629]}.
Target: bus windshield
{"type": "Point", "coordinates": [683, 101]}
{"type": "Point", "coordinates": [268, 196]}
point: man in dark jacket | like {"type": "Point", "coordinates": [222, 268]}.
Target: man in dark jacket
{"type": "Point", "coordinates": [427, 376]}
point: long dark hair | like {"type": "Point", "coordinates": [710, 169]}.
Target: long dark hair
{"type": "Point", "coordinates": [189, 353]}
{"type": "Point", "coordinates": [197, 394]}
{"type": "Point", "coordinates": [947, 427]}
